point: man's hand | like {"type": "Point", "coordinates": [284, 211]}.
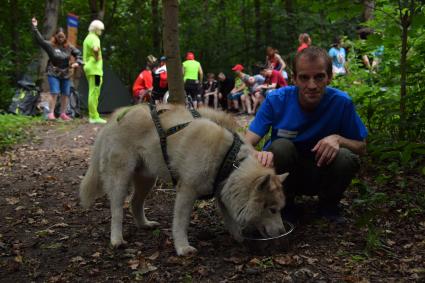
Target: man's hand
{"type": "Point", "coordinates": [265, 158]}
{"type": "Point", "coordinates": [96, 53]}
{"type": "Point", "coordinates": [74, 65]}
{"type": "Point", "coordinates": [326, 150]}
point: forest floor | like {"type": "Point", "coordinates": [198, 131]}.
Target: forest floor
{"type": "Point", "coordinates": [46, 236]}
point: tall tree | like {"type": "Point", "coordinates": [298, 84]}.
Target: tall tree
{"type": "Point", "coordinates": [368, 7]}
{"type": "Point", "coordinates": [257, 10]}
{"type": "Point", "coordinates": [156, 36]}
{"type": "Point", "coordinates": [50, 24]}
{"type": "Point", "coordinates": [406, 10]}
{"type": "Point", "coordinates": [14, 35]}
{"type": "Point", "coordinates": [97, 9]}
{"type": "Point", "coordinates": [172, 51]}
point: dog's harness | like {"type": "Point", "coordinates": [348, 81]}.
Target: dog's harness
{"type": "Point", "coordinates": [228, 164]}
{"type": "Point", "coordinates": [164, 134]}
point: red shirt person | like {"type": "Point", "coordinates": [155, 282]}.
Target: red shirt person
{"type": "Point", "coordinates": [305, 41]}
{"type": "Point", "coordinates": [274, 79]}
{"type": "Point", "coordinates": [143, 85]}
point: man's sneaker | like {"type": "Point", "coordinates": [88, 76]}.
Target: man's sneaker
{"type": "Point", "coordinates": [97, 121]}
{"type": "Point", "coordinates": [51, 116]}
{"type": "Point", "coordinates": [332, 213]}
{"type": "Point", "coordinates": [65, 117]}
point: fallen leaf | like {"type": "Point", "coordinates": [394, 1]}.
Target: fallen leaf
{"type": "Point", "coordinates": [154, 256]}
{"type": "Point", "coordinates": [254, 262]}
{"type": "Point", "coordinates": [77, 259]}
{"type": "Point", "coordinates": [62, 225]}
{"type": "Point", "coordinates": [233, 259]}
{"type": "Point", "coordinates": [12, 200]}
{"type": "Point", "coordinates": [202, 270]}
{"type": "Point", "coordinates": [18, 258]}
{"type": "Point", "coordinates": [96, 254]}
{"type": "Point", "coordinates": [133, 263]}
{"type": "Point", "coordinates": [283, 260]}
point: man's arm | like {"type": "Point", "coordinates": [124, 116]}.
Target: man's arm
{"type": "Point", "coordinates": [96, 52]}
{"type": "Point", "coordinates": [327, 148]}
{"type": "Point", "coordinates": [264, 157]}
{"type": "Point", "coordinates": [268, 86]}
{"type": "Point", "coordinates": [282, 63]}
{"type": "Point", "coordinates": [201, 74]}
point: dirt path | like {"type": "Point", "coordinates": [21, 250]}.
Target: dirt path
{"type": "Point", "coordinates": [45, 236]}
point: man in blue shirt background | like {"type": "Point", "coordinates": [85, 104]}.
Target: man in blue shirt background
{"type": "Point", "coordinates": [316, 134]}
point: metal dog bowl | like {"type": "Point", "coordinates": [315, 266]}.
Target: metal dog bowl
{"type": "Point", "coordinates": [266, 246]}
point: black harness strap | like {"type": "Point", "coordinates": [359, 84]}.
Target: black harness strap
{"type": "Point", "coordinates": [164, 134]}
{"type": "Point", "coordinates": [228, 164]}
{"type": "Point", "coordinates": [162, 140]}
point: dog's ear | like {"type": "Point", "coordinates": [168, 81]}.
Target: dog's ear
{"type": "Point", "coordinates": [283, 177]}
{"type": "Point", "coordinates": [265, 183]}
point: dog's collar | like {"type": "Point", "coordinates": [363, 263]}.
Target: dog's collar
{"type": "Point", "coordinates": [228, 164]}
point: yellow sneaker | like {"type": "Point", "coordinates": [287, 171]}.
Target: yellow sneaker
{"type": "Point", "coordinates": [97, 121]}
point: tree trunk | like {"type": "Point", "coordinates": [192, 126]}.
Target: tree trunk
{"type": "Point", "coordinates": [156, 39]}
{"type": "Point", "coordinates": [244, 22]}
{"type": "Point", "coordinates": [268, 24]}
{"type": "Point", "coordinates": [172, 51]}
{"type": "Point", "coordinates": [291, 30]}
{"type": "Point", "coordinates": [257, 10]}
{"type": "Point", "coordinates": [405, 21]}
{"type": "Point", "coordinates": [15, 39]}
{"type": "Point", "coordinates": [97, 9]}
{"type": "Point", "coordinates": [368, 7]}
{"type": "Point", "coordinates": [51, 14]}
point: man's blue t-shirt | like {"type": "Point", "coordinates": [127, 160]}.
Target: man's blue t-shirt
{"type": "Point", "coordinates": [281, 110]}
{"type": "Point", "coordinates": [338, 56]}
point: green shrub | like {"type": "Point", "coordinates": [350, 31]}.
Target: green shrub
{"type": "Point", "coordinates": [14, 128]}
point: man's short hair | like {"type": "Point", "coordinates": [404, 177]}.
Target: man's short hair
{"type": "Point", "coordinates": [313, 53]}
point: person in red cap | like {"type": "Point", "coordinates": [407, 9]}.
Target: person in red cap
{"type": "Point", "coordinates": [239, 92]}
{"type": "Point", "coordinates": [192, 76]}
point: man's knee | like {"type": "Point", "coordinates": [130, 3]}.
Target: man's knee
{"type": "Point", "coordinates": [346, 163]}
{"type": "Point", "coordinates": [284, 155]}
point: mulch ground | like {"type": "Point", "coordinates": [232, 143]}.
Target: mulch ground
{"type": "Point", "coordinates": [45, 236]}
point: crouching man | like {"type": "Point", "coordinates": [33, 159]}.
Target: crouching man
{"type": "Point", "coordinates": [316, 134]}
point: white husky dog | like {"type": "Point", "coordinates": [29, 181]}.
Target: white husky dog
{"type": "Point", "coordinates": [127, 154]}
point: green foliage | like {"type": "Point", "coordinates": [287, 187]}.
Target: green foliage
{"type": "Point", "coordinates": [14, 128]}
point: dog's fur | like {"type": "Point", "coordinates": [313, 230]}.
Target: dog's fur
{"type": "Point", "coordinates": [127, 154]}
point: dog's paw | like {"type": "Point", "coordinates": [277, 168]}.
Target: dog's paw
{"type": "Point", "coordinates": [150, 224]}
{"type": "Point", "coordinates": [116, 243]}
{"type": "Point", "coordinates": [186, 251]}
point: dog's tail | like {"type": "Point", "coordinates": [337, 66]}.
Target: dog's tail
{"type": "Point", "coordinates": [91, 188]}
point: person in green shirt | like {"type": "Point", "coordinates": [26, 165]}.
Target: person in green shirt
{"type": "Point", "coordinates": [192, 76]}
{"type": "Point", "coordinates": [93, 68]}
